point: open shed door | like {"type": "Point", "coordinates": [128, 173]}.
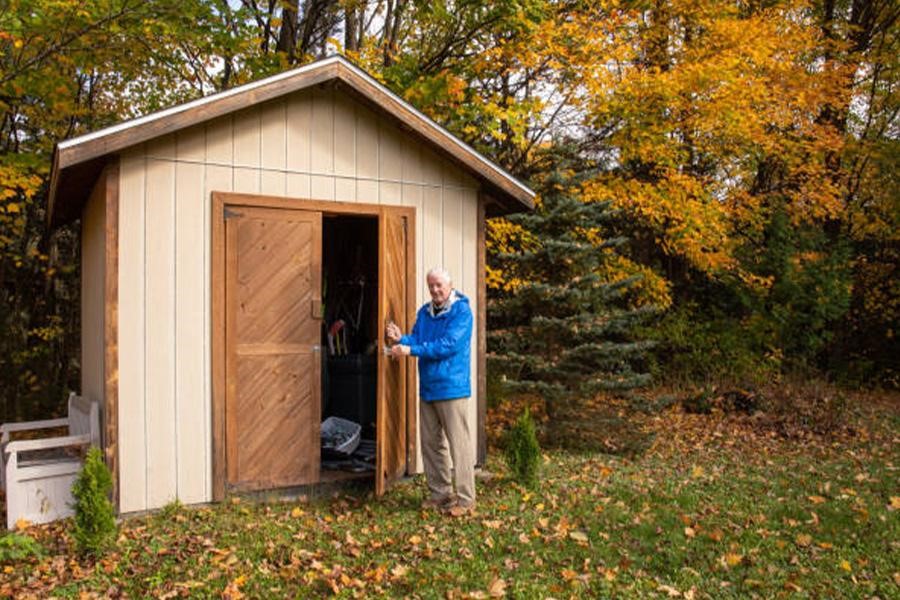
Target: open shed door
{"type": "Point", "coordinates": [393, 376]}
{"type": "Point", "coordinates": [273, 371]}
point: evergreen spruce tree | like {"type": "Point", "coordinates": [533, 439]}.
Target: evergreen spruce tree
{"type": "Point", "coordinates": [563, 330]}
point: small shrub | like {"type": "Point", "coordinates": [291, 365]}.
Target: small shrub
{"type": "Point", "coordinates": [95, 523]}
{"type": "Point", "coordinates": [523, 453]}
{"type": "Point", "coordinates": [15, 547]}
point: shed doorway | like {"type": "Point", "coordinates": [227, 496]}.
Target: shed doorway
{"type": "Point", "coordinates": [301, 292]}
{"type": "Point", "coordinates": [349, 346]}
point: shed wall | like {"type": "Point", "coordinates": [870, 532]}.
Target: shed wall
{"type": "Point", "coordinates": [93, 263]}
{"type": "Point", "coordinates": [315, 144]}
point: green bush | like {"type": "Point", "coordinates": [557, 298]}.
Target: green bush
{"type": "Point", "coordinates": [15, 547]}
{"type": "Point", "coordinates": [95, 523]}
{"type": "Point", "coordinates": [522, 451]}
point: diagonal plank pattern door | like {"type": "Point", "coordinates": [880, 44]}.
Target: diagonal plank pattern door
{"type": "Point", "coordinates": [393, 305]}
{"type": "Point", "coordinates": [272, 336]}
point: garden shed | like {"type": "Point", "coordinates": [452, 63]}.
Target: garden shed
{"type": "Point", "coordinates": [240, 256]}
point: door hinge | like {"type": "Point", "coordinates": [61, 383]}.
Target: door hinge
{"type": "Point", "coordinates": [229, 213]}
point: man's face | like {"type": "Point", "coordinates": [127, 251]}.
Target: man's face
{"type": "Point", "coordinates": [439, 288]}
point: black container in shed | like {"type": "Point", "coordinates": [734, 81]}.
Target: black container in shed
{"type": "Point", "coordinates": [351, 388]}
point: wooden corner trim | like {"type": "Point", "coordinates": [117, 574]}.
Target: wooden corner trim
{"type": "Point", "coordinates": [111, 325]}
{"type": "Point", "coordinates": [481, 336]}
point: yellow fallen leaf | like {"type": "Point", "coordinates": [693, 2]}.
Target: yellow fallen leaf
{"type": "Point", "coordinates": [816, 499]}
{"type": "Point", "coordinates": [297, 512]}
{"type": "Point", "coordinates": [578, 536]}
{"type": "Point", "coordinates": [489, 542]}
{"type": "Point", "coordinates": [399, 571]}
{"type": "Point", "coordinates": [497, 588]}
{"type": "Point", "coordinates": [825, 545]}
{"type": "Point", "coordinates": [697, 471]}
{"type": "Point", "coordinates": [803, 539]}
{"type": "Point", "coordinates": [569, 574]}
{"type": "Point", "coordinates": [492, 524]}
{"type": "Point", "coordinates": [8, 569]}
{"type": "Point", "coordinates": [845, 565]}
{"type": "Point", "coordinates": [669, 590]}
{"type": "Point", "coordinates": [732, 559]}
{"type": "Point", "coordinates": [895, 503]}
{"type": "Point", "coordinates": [22, 524]}
{"type": "Point", "coordinates": [415, 540]}
{"type": "Point", "coordinates": [689, 532]}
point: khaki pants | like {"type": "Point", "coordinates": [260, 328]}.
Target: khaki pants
{"type": "Point", "coordinates": [445, 437]}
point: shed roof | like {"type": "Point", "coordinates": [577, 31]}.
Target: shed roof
{"type": "Point", "coordinates": [78, 161]}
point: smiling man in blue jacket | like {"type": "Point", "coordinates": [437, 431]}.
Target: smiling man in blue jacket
{"type": "Point", "coordinates": [441, 339]}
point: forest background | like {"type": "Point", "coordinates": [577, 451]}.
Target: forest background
{"type": "Point", "coordinates": [747, 151]}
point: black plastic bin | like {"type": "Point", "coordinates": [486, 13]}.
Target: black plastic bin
{"type": "Point", "coordinates": [351, 388]}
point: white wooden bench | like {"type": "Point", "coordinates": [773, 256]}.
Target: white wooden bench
{"type": "Point", "coordinates": [38, 474]}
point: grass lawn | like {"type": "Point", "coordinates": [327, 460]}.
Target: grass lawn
{"type": "Point", "coordinates": [717, 507]}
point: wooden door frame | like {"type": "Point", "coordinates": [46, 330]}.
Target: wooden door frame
{"type": "Point", "coordinates": [221, 200]}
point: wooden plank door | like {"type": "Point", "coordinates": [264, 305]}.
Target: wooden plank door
{"type": "Point", "coordinates": [394, 304]}
{"type": "Point", "coordinates": [272, 357]}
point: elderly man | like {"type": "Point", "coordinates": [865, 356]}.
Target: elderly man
{"type": "Point", "coordinates": [441, 340]}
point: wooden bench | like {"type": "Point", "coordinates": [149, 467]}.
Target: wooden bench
{"type": "Point", "coordinates": [38, 474]}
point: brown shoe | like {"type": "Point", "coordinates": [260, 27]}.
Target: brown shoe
{"type": "Point", "coordinates": [460, 510]}
{"type": "Point", "coordinates": [439, 503]}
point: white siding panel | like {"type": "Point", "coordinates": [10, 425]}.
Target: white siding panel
{"type": "Point", "coordinates": [190, 316]}
{"type": "Point", "coordinates": [390, 193]}
{"type": "Point", "coordinates": [390, 153]}
{"type": "Point", "coordinates": [160, 333]}
{"type": "Point", "coordinates": [322, 134]}
{"type": "Point", "coordinates": [247, 146]}
{"type": "Point", "coordinates": [93, 279]}
{"type": "Point", "coordinates": [321, 187]}
{"type": "Point", "coordinates": [433, 234]}
{"type": "Point", "coordinates": [431, 167]}
{"type": "Point", "coordinates": [344, 136]}
{"type": "Point", "coordinates": [413, 195]}
{"type": "Point", "coordinates": [273, 139]}
{"type": "Point", "coordinates": [299, 118]}
{"type": "Point", "coordinates": [412, 161]}
{"type": "Point", "coordinates": [220, 142]}
{"type": "Point", "coordinates": [469, 286]}
{"type": "Point", "coordinates": [345, 189]}
{"type": "Point", "coordinates": [298, 185]}
{"type": "Point", "coordinates": [366, 144]}
{"type": "Point", "coordinates": [132, 374]}
{"type": "Point", "coordinates": [452, 233]}
{"type": "Point", "coordinates": [367, 191]}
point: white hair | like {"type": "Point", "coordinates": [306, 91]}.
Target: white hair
{"type": "Point", "coordinates": [440, 273]}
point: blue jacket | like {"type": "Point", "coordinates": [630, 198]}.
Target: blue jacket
{"type": "Point", "coordinates": [442, 344]}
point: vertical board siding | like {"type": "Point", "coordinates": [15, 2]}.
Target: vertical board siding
{"type": "Point", "coordinates": [315, 144]}
{"type": "Point", "coordinates": [93, 263]}
{"type": "Point", "coordinates": [246, 152]}
{"type": "Point", "coordinates": [161, 348]}
{"type": "Point", "coordinates": [469, 284]}
{"type": "Point", "coordinates": [190, 332]}
{"type": "Point", "coordinates": [132, 338]}
{"type": "Point", "coordinates": [273, 151]}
